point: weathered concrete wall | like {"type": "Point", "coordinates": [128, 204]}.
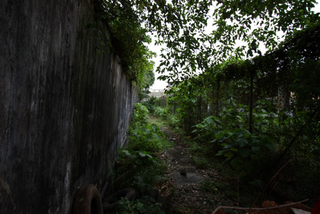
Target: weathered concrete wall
{"type": "Point", "coordinates": [64, 108]}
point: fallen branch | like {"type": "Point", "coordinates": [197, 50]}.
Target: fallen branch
{"type": "Point", "coordinates": [259, 209]}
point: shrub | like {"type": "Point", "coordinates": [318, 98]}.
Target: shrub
{"type": "Point", "coordinates": [139, 170]}
{"type": "Point", "coordinates": [150, 104]}
{"type": "Point", "coordinates": [244, 151]}
{"type": "Point", "coordinates": [207, 129]}
{"type": "Point", "coordinates": [173, 121]}
{"type": "Point", "coordinates": [140, 116]}
{"type": "Point", "coordinates": [161, 112]}
{"type": "Point", "coordinates": [157, 111]}
{"type": "Point", "coordinates": [165, 112]}
{"type": "Point", "coordinates": [149, 138]}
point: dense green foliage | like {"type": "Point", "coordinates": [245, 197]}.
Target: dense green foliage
{"type": "Point", "coordinates": [145, 205]}
{"type": "Point", "coordinates": [257, 110]}
{"type": "Point", "coordinates": [130, 41]}
{"type": "Point", "coordinates": [199, 34]}
{"type": "Point", "coordinates": [150, 104]}
{"type": "Point", "coordinates": [144, 136]}
{"type": "Point", "coordinates": [259, 114]}
{"type": "Point", "coordinates": [203, 34]}
{"type": "Point", "coordinates": [137, 165]}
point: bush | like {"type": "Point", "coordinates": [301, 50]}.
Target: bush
{"type": "Point", "coordinates": [157, 111]}
{"type": "Point", "coordinates": [140, 116]}
{"type": "Point", "coordinates": [161, 112]}
{"type": "Point", "coordinates": [144, 136]}
{"type": "Point", "coordinates": [173, 121]}
{"type": "Point", "coordinates": [149, 138]}
{"type": "Point", "coordinates": [244, 151]}
{"type": "Point", "coordinates": [207, 129]}
{"type": "Point", "coordinates": [150, 104]}
{"type": "Point", "coordinates": [139, 170]}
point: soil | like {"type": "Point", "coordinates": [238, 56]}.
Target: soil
{"type": "Point", "coordinates": [190, 194]}
{"type": "Point", "coordinates": [187, 184]}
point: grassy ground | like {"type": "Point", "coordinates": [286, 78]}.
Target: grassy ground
{"type": "Point", "coordinates": [161, 123]}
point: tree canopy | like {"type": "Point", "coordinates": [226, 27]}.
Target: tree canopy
{"type": "Point", "coordinates": [200, 34]}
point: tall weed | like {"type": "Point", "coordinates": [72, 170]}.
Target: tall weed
{"type": "Point", "coordinates": [138, 169]}
{"type": "Point", "coordinates": [144, 136]}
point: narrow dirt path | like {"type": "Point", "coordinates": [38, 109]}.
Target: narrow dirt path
{"type": "Point", "coordinates": [195, 189]}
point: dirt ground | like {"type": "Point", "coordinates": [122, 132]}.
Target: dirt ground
{"type": "Point", "coordinates": [189, 192]}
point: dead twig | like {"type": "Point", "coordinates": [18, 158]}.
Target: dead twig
{"type": "Point", "coordinates": [259, 209]}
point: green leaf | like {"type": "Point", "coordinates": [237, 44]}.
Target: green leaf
{"type": "Point", "coordinates": [126, 152]}
{"type": "Point", "coordinates": [254, 45]}
{"type": "Point", "coordinates": [236, 162]}
{"type": "Point", "coordinates": [154, 127]}
{"type": "Point", "coordinates": [226, 145]}
{"type": "Point", "coordinates": [244, 152]}
{"type": "Point", "coordinates": [142, 154]}
{"type": "Point", "coordinates": [255, 157]}
{"type": "Point", "coordinates": [234, 149]}
{"type": "Point", "coordinates": [222, 133]}
{"type": "Point", "coordinates": [229, 154]}
{"type": "Point", "coordinates": [155, 136]}
{"type": "Point", "coordinates": [271, 147]}
{"type": "Point", "coordinates": [140, 205]}
{"type": "Point", "coordinates": [242, 142]}
{"type": "Point", "coordinates": [222, 152]}
{"type": "Point", "coordinates": [256, 148]}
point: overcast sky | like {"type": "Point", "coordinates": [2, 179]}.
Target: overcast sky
{"type": "Point", "coordinates": [158, 84]}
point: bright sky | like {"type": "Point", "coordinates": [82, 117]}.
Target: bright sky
{"type": "Point", "coordinates": [159, 84]}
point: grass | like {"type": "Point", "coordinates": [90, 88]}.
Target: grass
{"type": "Point", "coordinates": [158, 121]}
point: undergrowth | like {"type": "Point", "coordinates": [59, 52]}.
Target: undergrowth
{"type": "Point", "coordinates": [138, 166]}
{"type": "Point", "coordinates": [244, 160]}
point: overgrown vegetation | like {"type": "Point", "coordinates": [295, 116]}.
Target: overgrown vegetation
{"type": "Point", "coordinates": [144, 205]}
{"type": "Point", "coordinates": [144, 136]}
{"type": "Point", "coordinates": [258, 112]}
{"type": "Point", "coordinates": [261, 135]}
{"type": "Point", "coordinates": [138, 166]}
{"type": "Point", "coordinates": [127, 37]}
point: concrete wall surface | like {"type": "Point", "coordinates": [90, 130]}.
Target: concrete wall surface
{"type": "Point", "coordinates": [65, 104]}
